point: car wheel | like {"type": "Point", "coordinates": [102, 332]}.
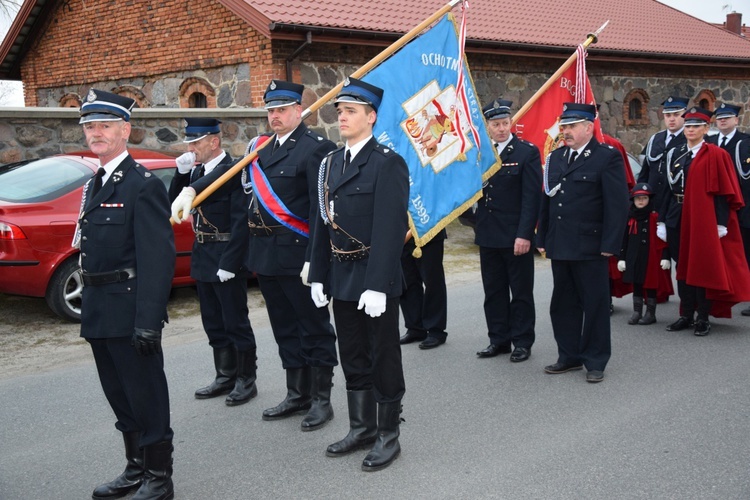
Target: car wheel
{"type": "Point", "coordinates": [65, 290]}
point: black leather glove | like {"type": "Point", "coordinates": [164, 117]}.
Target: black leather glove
{"type": "Point", "coordinates": [146, 342]}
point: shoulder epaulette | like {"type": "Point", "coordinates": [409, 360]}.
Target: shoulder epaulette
{"type": "Point", "coordinates": [384, 150]}
{"type": "Point", "coordinates": [315, 136]}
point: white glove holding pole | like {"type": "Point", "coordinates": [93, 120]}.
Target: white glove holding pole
{"type": "Point", "coordinates": [224, 275]}
{"type": "Point", "coordinates": [318, 296]}
{"type": "Point", "coordinates": [665, 264]}
{"type": "Point", "coordinates": [305, 273]}
{"type": "Point", "coordinates": [661, 231]}
{"type": "Point", "coordinates": [373, 302]}
{"type": "Point", "coordinates": [621, 266]}
{"type": "Point", "coordinates": [185, 162]}
{"type": "Point", "coordinates": [722, 231]}
{"type": "Point", "coordinates": [183, 204]}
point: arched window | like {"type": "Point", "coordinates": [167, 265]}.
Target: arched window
{"type": "Point", "coordinates": [197, 93]}
{"type": "Point", "coordinates": [134, 93]}
{"type": "Point", "coordinates": [70, 101]}
{"type": "Point", "coordinates": [635, 108]}
{"type": "Point", "coordinates": [706, 99]}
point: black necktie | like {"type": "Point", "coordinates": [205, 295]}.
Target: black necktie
{"type": "Point", "coordinates": [573, 156]}
{"type": "Point", "coordinates": [275, 146]}
{"type": "Point", "coordinates": [723, 141]}
{"type": "Point", "coordinates": [199, 171]}
{"type": "Point", "coordinates": [671, 136]}
{"type": "Point", "coordinates": [97, 181]}
{"type": "Point", "coordinates": [347, 160]}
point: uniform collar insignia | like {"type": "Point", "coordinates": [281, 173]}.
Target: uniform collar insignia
{"type": "Point", "coordinates": [586, 153]}
{"type": "Point", "coordinates": [117, 176]}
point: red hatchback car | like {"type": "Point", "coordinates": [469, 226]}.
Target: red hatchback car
{"type": "Point", "coordinates": [39, 204]}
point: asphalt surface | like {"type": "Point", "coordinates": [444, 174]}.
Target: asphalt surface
{"type": "Point", "coordinates": [670, 421]}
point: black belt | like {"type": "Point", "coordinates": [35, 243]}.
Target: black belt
{"type": "Point", "coordinates": [95, 279]}
{"type": "Point", "coordinates": [679, 198]}
{"type": "Point", "coordinates": [351, 255]}
{"type": "Point", "coordinates": [267, 230]}
{"type": "Point", "coordinates": [202, 237]}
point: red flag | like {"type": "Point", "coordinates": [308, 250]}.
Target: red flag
{"type": "Point", "coordinates": [540, 123]}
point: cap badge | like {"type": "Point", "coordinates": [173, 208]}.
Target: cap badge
{"type": "Point", "coordinates": [693, 110]}
{"type": "Point", "coordinates": [273, 85]}
{"type": "Point", "coordinates": [669, 99]}
{"type": "Point", "coordinates": [565, 107]}
{"type": "Point", "coordinates": [91, 97]}
{"type": "Point", "coordinates": [496, 104]}
{"type": "Point", "coordinates": [347, 82]}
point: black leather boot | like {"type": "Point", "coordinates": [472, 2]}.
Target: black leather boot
{"type": "Point", "coordinates": [362, 424]}
{"type": "Point", "coordinates": [157, 481]}
{"type": "Point", "coordinates": [225, 361]}
{"type": "Point", "coordinates": [297, 398]}
{"type": "Point", "coordinates": [321, 411]}
{"type": "Point", "coordinates": [244, 387]}
{"type": "Point", "coordinates": [650, 317]}
{"type": "Point", "coordinates": [637, 310]}
{"type": "Point", "coordinates": [133, 475]}
{"type": "Point", "coordinates": [387, 447]}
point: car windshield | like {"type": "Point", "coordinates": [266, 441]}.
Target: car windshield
{"type": "Point", "coordinates": [41, 180]}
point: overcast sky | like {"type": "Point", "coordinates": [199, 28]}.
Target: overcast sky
{"type": "Point", "coordinates": [713, 11]}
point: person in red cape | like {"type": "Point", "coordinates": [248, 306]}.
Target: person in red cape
{"type": "Point", "coordinates": [699, 217]}
{"type": "Point", "coordinates": [617, 287]}
{"type": "Point", "coordinates": [644, 259]}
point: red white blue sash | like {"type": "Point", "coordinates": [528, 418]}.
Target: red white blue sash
{"type": "Point", "coordinates": [264, 193]}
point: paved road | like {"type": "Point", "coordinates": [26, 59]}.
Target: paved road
{"type": "Point", "coordinates": [671, 421]}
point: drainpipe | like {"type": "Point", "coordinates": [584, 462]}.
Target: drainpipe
{"type": "Point", "coordinates": [293, 56]}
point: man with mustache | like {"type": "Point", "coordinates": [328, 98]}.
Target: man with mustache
{"type": "Point", "coordinates": [581, 223]}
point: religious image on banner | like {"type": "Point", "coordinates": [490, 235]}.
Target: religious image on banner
{"type": "Point", "coordinates": [540, 125]}
{"type": "Point", "coordinates": [433, 119]}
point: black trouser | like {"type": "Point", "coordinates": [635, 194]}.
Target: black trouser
{"type": "Point", "coordinates": [224, 313]}
{"type": "Point", "coordinates": [424, 301]}
{"type": "Point", "coordinates": [302, 331]}
{"type": "Point", "coordinates": [579, 311]}
{"type": "Point", "coordinates": [135, 387]}
{"type": "Point", "coordinates": [508, 282]}
{"type": "Point", "coordinates": [639, 291]}
{"type": "Point", "coordinates": [370, 350]}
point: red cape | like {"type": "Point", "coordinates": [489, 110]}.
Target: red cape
{"type": "Point", "coordinates": [608, 139]}
{"type": "Point", "coordinates": [707, 261]}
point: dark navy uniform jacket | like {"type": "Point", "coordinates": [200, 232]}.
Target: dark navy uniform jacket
{"type": "Point", "coordinates": [653, 170]}
{"type": "Point", "coordinates": [738, 148]}
{"type": "Point", "coordinates": [510, 205]}
{"type": "Point", "coordinates": [222, 212]}
{"type": "Point", "coordinates": [587, 216]}
{"type": "Point", "coordinates": [126, 225]}
{"type": "Point", "coordinates": [370, 204]}
{"type": "Point", "coordinates": [292, 171]}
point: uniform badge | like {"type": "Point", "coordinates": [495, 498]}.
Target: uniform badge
{"type": "Point", "coordinates": [496, 104]}
{"type": "Point", "coordinates": [723, 105]}
{"type": "Point", "coordinates": [565, 107]}
{"type": "Point", "coordinates": [386, 150]}
{"type": "Point", "coordinates": [670, 99]}
{"type": "Point", "coordinates": [346, 82]}
{"type": "Point", "coordinates": [117, 176]}
{"type": "Point", "coordinates": [509, 147]}
{"type": "Point", "coordinates": [273, 85]}
{"type": "Point", "coordinates": [587, 153]}
{"type": "Point", "coordinates": [147, 174]}
{"type": "Point", "coordinates": [91, 97]}
{"type": "Point", "coordinates": [693, 110]}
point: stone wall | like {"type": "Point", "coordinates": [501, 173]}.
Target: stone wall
{"type": "Point", "coordinates": [27, 133]}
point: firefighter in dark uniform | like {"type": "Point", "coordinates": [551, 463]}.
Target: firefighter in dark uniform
{"type": "Point", "coordinates": [737, 144]}
{"type": "Point", "coordinates": [287, 169]}
{"type": "Point", "coordinates": [424, 303]}
{"type": "Point", "coordinates": [506, 220]}
{"type": "Point", "coordinates": [357, 245]}
{"type": "Point", "coordinates": [653, 154]}
{"type": "Point", "coordinates": [218, 264]}
{"type": "Point", "coordinates": [127, 262]}
{"type": "Point", "coordinates": [581, 223]}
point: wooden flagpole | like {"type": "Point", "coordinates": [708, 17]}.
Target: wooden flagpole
{"type": "Point", "coordinates": [367, 67]}
{"type": "Point", "coordinates": [590, 39]}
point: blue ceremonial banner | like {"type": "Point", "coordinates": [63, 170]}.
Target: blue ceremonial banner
{"type": "Point", "coordinates": [441, 135]}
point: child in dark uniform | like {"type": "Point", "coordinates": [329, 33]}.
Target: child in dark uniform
{"type": "Point", "coordinates": [643, 256]}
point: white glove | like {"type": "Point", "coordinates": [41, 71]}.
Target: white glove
{"type": "Point", "coordinates": [183, 204]}
{"type": "Point", "coordinates": [661, 231]}
{"type": "Point", "coordinates": [373, 302]}
{"type": "Point", "coordinates": [185, 162]}
{"type": "Point", "coordinates": [224, 275]}
{"type": "Point", "coordinates": [665, 264]}
{"type": "Point", "coordinates": [318, 296]}
{"type": "Point", "coordinates": [722, 231]}
{"type": "Point", "coordinates": [304, 274]}
{"type": "Point", "coordinates": [621, 266]}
